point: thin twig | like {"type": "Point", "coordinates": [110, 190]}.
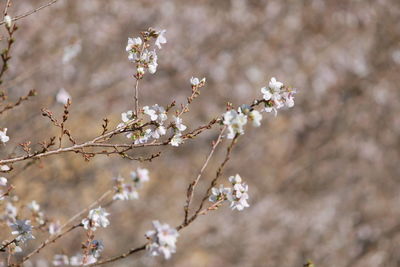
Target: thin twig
{"type": "Point", "coordinates": [212, 184]}
{"type": "Point", "coordinates": [30, 12]}
{"type": "Point", "coordinates": [97, 142]}
{"type": "Point", "coordinates": [192, 186]}
{"type": "Point", "coordinates": [8, 3]}
{"type": "Point", "coordinates": [3, 247]}
{"type": "Point", "coordinates": [50, 240]}
{"type": "Point", "coordinates": [137, 97]}
{"type": "Point", "coordinates": [19, 101]}
{"type": "Point", "coordinates": [73, 218]}
{"type": "Point", "coordinates": [124, 255]}
{"type": "Point", "coordinates": [200, 210]}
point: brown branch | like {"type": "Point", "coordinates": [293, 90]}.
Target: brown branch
{"type": "Point", "coordinates": [26, 14]}
{"type": "Point", "coordinates": [5, 54]}
{"type": "Point", "coordinates": [192, 186]}
{"type": "Point", "coordinates": [122, 256]}
{"type": "Point", "coordinates": [200, 210]}
{"type": "Point", "coordinates": [20, 100]}
{"type": "Point", "coordinates": [3, 247]}
{"type": "Point", "coordinates": [97, 142]}
{"type": "Point", "coordinates": [8, 3]}
{"type": "Point", "coordinates": [48, 241]}
{"type": "Point", "coordinates": [73, 218]}
{"type": "Point", "coordinates": [186, 222]}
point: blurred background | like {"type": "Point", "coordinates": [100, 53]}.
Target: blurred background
{"type": "Point", "coordinates": [323, 176]}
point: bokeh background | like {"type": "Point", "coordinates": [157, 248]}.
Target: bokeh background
{"type": "Point", "coordinates": [323, 176]}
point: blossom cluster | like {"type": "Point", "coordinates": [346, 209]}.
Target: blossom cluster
{"type": "Point", "coordinates": [237, 194]}
{"type": "Point", "coordinates": [37, 214]}
{"type": "Point", "coordinates": [157, 126]}
{"type": "Point", "coordinates": [139, 53]}
{"type": "Point", "coordinates": [162, 240]}
{"type": "Point", "coordinates": [96, 218]}
{"type": "Point", "coordinates": [23, 230]}
{"type": "Point", "coordinates": [236, 120]}
{"type": "Point", "coordinates": [277, 96]}
{"type": "Point", "coordinates": [128, 191]}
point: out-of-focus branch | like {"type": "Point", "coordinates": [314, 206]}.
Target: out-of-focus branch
{"type": "Point", "coordinates": [5, 54]}
{"type": "Point", "coordinates": [26, 14]}
{"type": "Point", "coordinates": [20, 100]}
{"type": "Point", "coordinates": [50, 240]}
{"type": "Point", "coordinates": [73, 218]}
{"type": "Point", "coordinates": [122, 256]}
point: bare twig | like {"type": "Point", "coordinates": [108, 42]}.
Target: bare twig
{"type": "Point", "coordinates": [8, 3]}
{"type": "Point", "coordinates": [212, 184]}
{"type": "Point", "coordinates": [3, 247]}
{"type": "Point", "coordinates": [122, 256]}
{"type": "Point", "coordinates": [98, 142]}
{"type": "Point", "coordinates": [73, 218]}
{"type": "Point", "coordinates": [26, 14]}
{"type": "Point", "coordinates": [192, 186]}
{"type": "Point", "coordinates": [20, 100]}
{"type": "Point", "coordinates": [136, 97]}
{"type": "Point", "coordinates": [50, 240]}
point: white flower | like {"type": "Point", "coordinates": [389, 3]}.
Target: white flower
{"type": "Point", "coordinates": [77, 260]}
{"type": "Point", "coordinates": [127, 116]}
{"type": "Point", "coordinates": [63, 96]}
{"type": "Point", "coordinates": [23, 229]}
{"type": "Point", "coordinates": [4, 168]}
{"type": "Point", "coordinates": [162, 240]}
{"type": "Point", "coordinates": [152, 61]}
{"type": "Point", "coordinates": [71, 51]}
{"type": "Point", "coordinates": [156, 113]}
{"type": "Point", "coordinates": [11, 211]}
{"type": "Point", "coordinates": [196, 81]}
{"type": "Point", "coordinates": [256, 117]}
{"type": "Point", "coordinates": [60, 260]}
{"type": "Point", "coordinates": [54, 228]}
{"type": "Point", "coordinates": [96, 218]}
{"type": "Point", "coordinates": [144, 138]}
{"type": "Point", "coordinates": [277, 96]}
{"type": "Point", "coordinates": [275, 85]}
{"type": "Point", "coordinates": [8, 21]}
{"type": "Point", "coordinates": [289, 98]}
{"type": "Point", "coordinates": [179, 125]}
{"type": "Point", "coordinates": [235, 121]}
{"type": "Point", "coordinates": [126, 192]}
{"type": "Point", "coordinates": [218, 194]}
{"type": "Point", "coordinates": [150, 112]}
{"type": "Point", "coordinates": [161, 38]}
{"type": "Point", "coordinates": [238, 196]}
{"type": "Point", "coordinates": [140, 176]}
{"type": "Point", "coordinates": [158, 132]}
{"type": "Point", "coordinates": [34, 206]}
{"type": "Point", "coordinates": [3, 136]}
{"type": "Point", "coordinates": [132, 42]}
{"type": "Point", "coordinates": [176, 139]}
{"type": "Point", "coordinates": [140, 70]}
{"type": "Point", "coordinates": [270, 109]}
{"type": "Point", "coordinates": [273, 90]}
{"type": "Point", "coordinates": [3, 181]}
{"type": "Point", "coordinates": [96, 247]}
{"type": "Point", "coordinates": [235, 179]}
